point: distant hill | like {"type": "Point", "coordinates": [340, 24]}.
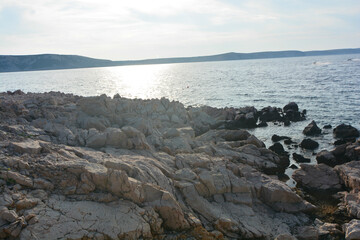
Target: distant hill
{"type": "Point", "coordinates": [13, 63]}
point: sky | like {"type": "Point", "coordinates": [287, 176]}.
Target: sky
{"type": "Point", "coordinates": [141, 29]}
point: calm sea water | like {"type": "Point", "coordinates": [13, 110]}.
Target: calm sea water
{"type": "Point", "coordinates": [327, 86]}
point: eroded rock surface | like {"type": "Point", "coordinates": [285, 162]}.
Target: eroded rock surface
{"type": "Point", "coordinates": [113, 168]}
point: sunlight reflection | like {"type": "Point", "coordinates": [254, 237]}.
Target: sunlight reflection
{"type": "Point", "coordinates": [138, 81]}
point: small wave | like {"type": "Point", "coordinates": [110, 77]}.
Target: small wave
{"type": "Point", "coordinates": [354, 59]}
{"type": "Point", "coordinates": [213, 99]}
{"type": "Point", "coordinates": [321, 63]}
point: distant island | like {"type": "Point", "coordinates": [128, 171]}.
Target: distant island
{"type": "Point", "coordinates": [14, 63]}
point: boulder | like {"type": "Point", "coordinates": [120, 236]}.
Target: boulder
{"type": "Point", "coordinates": [278, 148]}
{"type": "Point", "coordinates": [291, 106]}
{"type": "Point", "coordinates": [311, 129]}
{"type": "Point", "coordinates": [300, 159]}
{"type": "Point", "coordinates": [281, 198]}
{"type": "Point", "coordinates": [8, 215]}
{"type": "Point", "coordinates": [308, 143]}
{"type": "Point", "coordinates": [116, 138]}
{"type": "Point", "coordinates": [350, 174]}
{"type": "Point", "coordinates": [277, 138]}
{"type": "Point", "coordinates": [326, 157]}
{"type": "Point", "coordinates": [269, 114]}
{"type": "Point", "coordinates": [96, 139]}
{"type": "Point", "coordinates": [352, 230]}
{"type": "Point", "coordinates": [345, 131]}
{"type": "Point", "coordinates": [317, 178]}
{"type": "Point", "coordinates": [29, 146]}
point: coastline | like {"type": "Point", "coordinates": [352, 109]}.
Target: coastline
{"type": "Point", "coordinates": [79, 166]}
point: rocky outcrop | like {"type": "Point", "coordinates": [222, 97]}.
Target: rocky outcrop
{"type": "Point", "coordinates": [352, 230]}
{"type": "Point", "coordinates": [317, 178]}
{"type": "Point", "coordinates": [114, 168]}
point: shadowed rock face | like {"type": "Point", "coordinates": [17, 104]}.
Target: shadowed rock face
{"type": "Point", "coordinates": [101, 168]}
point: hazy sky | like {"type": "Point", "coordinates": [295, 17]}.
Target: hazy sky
{"type": "Point", "coordinates": [137, 29]}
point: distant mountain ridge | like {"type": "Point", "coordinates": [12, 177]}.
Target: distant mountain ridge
{"type": "Point", "coordinates": [13, 63]}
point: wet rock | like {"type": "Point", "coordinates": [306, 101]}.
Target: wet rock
{"type": "Point", "coordinates": [288, 141]}
{"type": "Point", "coordinates": [293, 166]}
{"type": "Point", "coordinates": [291, 106]}
{"type": "Point", "coordinates": [262, 124]}
{"type": "Point", "coordinates": [345, 131]}
{"type": "Point", "coordinates": [287, 122]}
{"type": "Point", "coordinates": [317, 178]}
{"type": "Point", "coordinates": [299, 158]}
{"type": "Point", "coordinates": [278, 148]}
{"type": "Point", "coordinates": [276, 138]}
{"type": "Point", "coordinates": [292, 113]}
{"type": "Point", "coordinates": [327, 158]}
{"type": "Point", "coordinates": [308, 143]}
{"type": "Point", "coordinates": [312, 129]}
{"type": "Point", "coordinates": [269, 114]}
{"type": "Point", "coordinates": [328, 126]}
{"type": "Point", "coordinates": [339, 142]}
{"type": "Point", "coordinates": [245, 118]}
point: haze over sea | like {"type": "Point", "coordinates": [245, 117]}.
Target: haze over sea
{"type": "Point", "coordinates": [327, 86]}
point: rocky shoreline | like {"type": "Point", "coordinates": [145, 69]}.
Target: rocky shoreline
{"type": "Point", "coordinates": [76, 167]}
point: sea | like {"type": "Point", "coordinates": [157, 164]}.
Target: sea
{"type": "Point", "coordinates": [328, 87]}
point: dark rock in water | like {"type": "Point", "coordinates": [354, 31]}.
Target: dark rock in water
{"type": "Point", "coordinates": [345, 131]}
{"type": "Point", "coordinates": [283, 177]}
{"type": "Point", "coordinates": [339, 142]}
{"type": "Point", "coordinates": [293, 166]}
{"type": "Point", "coordinates": [286, 122]}
{"type": "Point", "coordinates": [299, 158]}
{"type": "Point", "coordinates": [309, 144]}
{"type": "Point", "coordinates": [278, 148]}
{"type": "Point", "coordinates": [328, 126]}
{"type": "Point", "coordinates": [311, 129]}
{"type": "Point", "coordinates": [276, 138]}
{"type": "Point", "coordinates": [294, 116]}
{"type": "Point", "coordinates": [269, 114]}
{"type": "Point", "coordinates": [262, 124]}
{"type": "Point", "coordinates": [17, 92]}
{"type": "Point", "coordinates": [288, 141]}
{"type": "Point", "coordinates": [246, 117]}
{"type": "Point", "coordinates": [291, 106]}
{"type": "Point", "coordinates": [327, 158]}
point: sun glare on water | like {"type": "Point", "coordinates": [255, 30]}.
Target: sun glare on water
{"type": "Point", "coordinates": [138, 81]}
